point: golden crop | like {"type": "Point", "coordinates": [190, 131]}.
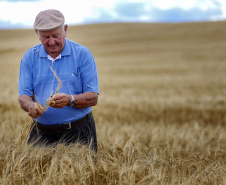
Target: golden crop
{"type": "Point", "coordinates": [161, 114]}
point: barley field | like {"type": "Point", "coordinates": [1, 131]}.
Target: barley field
{"type": "Point", "coordinates": [161, 114]}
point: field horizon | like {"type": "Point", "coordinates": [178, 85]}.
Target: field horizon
{"type": "Point", "coordinates": [161, 114]}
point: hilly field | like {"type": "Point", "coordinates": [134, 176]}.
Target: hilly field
{"type": "Point", "coordinates": [161, 114]}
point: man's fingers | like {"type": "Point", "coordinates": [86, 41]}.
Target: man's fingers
{"type": "Point", "coordinates": [59, 100]}
{"type": "Point", "coordinates": [39, 111]}
{"type": "Point", "coordinates": [35, 110]}
{"type": "Point", "coordinates": [38, 108]}
{"type": "Point", "coordinates": [58, 97]}
{"type": "Point", "coordinates": [33, 114]}
{"type": "Point", "coordinates": [51, 103]}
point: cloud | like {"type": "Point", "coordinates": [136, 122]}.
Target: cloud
{"type": "Point", "coordinates": [141, 11]}
{"type": "Point", "coordinates": [130, 9]}
{"type": "Point", "coordinates": [180, 15]}
{"type": "Point", "coordinates": [19, 12]}
{"type": "Point", "coordinates": [9, 25]}
{"type": "Point", "coordinates": [13, 1]}
{"type": "Point", "coordinates": [193, 10]}
{"type": "Point", "coordinates": [23, 12]}
{"type": "Point", "coordinates": [101, 16]}
{"type": "Point", "coordinates": [118, 13]}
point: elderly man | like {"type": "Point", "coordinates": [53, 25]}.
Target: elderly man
{"type": "Point", "coordinates": [69, 118]}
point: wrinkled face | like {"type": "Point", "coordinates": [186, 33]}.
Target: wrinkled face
{"type": "Point", "coordinates": [53, 40]}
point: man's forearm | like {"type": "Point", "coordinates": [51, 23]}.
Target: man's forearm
{"type": "Point", "coordinates": [25, 102]}
{"type": "Point", "coordinates": [81, 101]}
{"type": "Point", "coordinates": [86, 100]}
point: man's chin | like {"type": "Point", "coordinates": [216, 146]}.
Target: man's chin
{"type": "Point", "coordinates": [53, 50]}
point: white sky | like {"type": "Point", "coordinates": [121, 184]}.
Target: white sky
{"type": "Point", "coordinates": [83, 11]}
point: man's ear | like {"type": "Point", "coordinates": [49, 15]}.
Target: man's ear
{"type": "Point", "coordinates": [65, 29]}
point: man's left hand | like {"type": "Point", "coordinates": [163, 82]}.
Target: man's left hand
{"type": "Point", "coordinates": [60, 100]}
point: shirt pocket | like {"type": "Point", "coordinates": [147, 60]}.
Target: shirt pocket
{"type": "Point", "coordinates": [75, 83]}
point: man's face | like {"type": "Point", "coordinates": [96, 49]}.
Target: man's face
{"type": "Point", "coordinates": [53, 40]}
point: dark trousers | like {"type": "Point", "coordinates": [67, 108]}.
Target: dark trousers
{"type": "Point", "coordinates": [82, 131]}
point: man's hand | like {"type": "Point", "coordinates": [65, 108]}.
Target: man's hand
{"type": "Point", "coordinates": [35, 110]}
{"type": "Point", "coordinates": [82, 101]}
{"type": "Point", "coordinates": [60, 100]}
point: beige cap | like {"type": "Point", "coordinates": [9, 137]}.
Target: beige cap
{"type": "Point", "coordinates": [48, 20]}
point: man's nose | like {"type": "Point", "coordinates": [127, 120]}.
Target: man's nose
{"type": "Point", "coordinates": [51, 41]}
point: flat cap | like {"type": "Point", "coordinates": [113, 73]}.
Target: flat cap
{"type": "Point", "coordinates": [48, 20]}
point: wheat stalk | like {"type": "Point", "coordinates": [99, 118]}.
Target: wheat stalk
{"type": "Point", "coordinates": [44, 107]}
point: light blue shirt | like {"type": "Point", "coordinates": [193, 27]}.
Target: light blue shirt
{"type": "Point", "coordinates": [76, 69]}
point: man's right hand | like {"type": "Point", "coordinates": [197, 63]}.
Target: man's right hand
{"type": "Point", "coordinates": [35, 110]}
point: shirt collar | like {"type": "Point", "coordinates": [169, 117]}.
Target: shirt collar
{"type": "Point", "coordinates": [50, 58]}
{"type": "Point", "coordinates": [67, 48]}
{"type": "Point", "coordinates": [66, 51]}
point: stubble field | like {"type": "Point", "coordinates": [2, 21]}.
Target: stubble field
{"type": "Point", "coordinates": [161, 115]}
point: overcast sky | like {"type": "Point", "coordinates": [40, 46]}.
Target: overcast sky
{"type": "Point", "coordinates": [22, 13]}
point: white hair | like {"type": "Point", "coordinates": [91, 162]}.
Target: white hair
{"type": "Point", "coordinates": [58, 27]}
